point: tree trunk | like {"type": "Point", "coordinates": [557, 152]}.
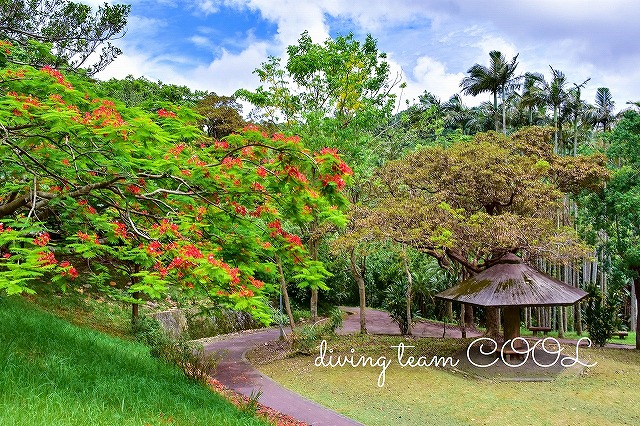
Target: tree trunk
{"type": "Point", "coordinates": [634, 309]}
{"type": "Point", "coordinates": [493, 322]}
{"type": "Point", "coordinates": [504, 113]}
{"type": "Point", "coordinates": [409, 289]}
{"type": "Point", "coordinates": [463, 328]}
{"type": "Point", "coordinates": [357, 275]}
{"type": "Point", "coordinates": [468, 317]}
{"type": "Point", "coordinates": [136, 295]}
{"type": "Point", "coordinates": [636, 284]}
{"type": "Point", "coordinates": [285, 296]}
{"type": "Point", "coordinates": [496, 117]}
{"type": "Point", "coordinates": [313, 251]}
{"type": "Point", "coordinates": [511, 322]}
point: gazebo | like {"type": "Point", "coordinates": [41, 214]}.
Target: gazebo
{"type": "Point", "coordinates": [511, 284]}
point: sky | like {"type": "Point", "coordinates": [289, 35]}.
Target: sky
{"type": "Point", "coordinates": [216, 45]}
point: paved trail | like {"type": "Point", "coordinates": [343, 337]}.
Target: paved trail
{"type": "Point", "coordinates": [236, 373]}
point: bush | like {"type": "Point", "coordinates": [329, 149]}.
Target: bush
{"type": "Point", "coordinates": [396, 303]}
{"type": "Point", "coordinates": [214, 322]}
{"type": "Point", "coordinates": [308, 336]}
{"type": "Point", "coordinates": [600, 315]}
{"type": "Point", "coordinates": [190, 357]}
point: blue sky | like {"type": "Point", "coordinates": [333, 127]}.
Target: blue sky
{"type": "Point", "coordinates": [216, 44]}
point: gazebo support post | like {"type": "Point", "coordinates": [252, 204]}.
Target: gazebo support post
{"type": "Point", "coordinates": [511, 322]}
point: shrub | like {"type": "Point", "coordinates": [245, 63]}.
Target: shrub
{"type": "Point", "coordinates": [308, 336]}
{"type": "Point", "coordinates": [194, 362]}
{"type": "Point", "coordinates": [396, 303]}
{"type": "Point", "coordinates": [600, 315]}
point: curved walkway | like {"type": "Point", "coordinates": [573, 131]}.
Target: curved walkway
{"type": "Point", "coordinates": [236, 373]}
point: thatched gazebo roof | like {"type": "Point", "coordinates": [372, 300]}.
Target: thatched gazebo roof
{"type": "Point", "coordinates": [511, 282]}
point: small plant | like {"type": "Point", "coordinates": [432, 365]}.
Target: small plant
{"type": "Point", "coordinates": [600, 316]}
{"type": "Point", "coordinates": [251, 405]}
{"type": "Point", "coordinates": [195, 363]}
{"type": "Point", "coordinates": [308, 337]}
{"type": "Point", "coordinates": [396, 303]}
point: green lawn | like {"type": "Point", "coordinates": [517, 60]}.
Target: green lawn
{"type": "Point", "coordinates": [604, 394]}
{"type": "Point", "coordinates": [56, 373]}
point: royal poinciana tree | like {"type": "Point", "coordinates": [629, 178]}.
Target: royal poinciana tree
{"type": "Point", "coordinates": [469, 204]}
{"type": "Point", "coordinates": [144, 202]}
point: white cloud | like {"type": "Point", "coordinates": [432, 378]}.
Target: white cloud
{"type": "Point", "coordinates": [431, 75]}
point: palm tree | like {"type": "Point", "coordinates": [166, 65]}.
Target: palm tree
{"type": "Point", "coordinates": [602, 115]}
{"type": "Point", "coordinates": [457, 115]}
{"type": "Point", "coordinates": [498, 78]}
{"type": "Point", "coordinates": [577, 109]}
{"type": "Point", "coordinates": [554, 94]}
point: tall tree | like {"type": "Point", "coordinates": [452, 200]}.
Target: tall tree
{"type": "Point", "coordinates": [614, 210]}
{"type": "Point", "coordinates": [553, 93]}
{"type": "Point", "coordinates": [602, 115]}
{"type": "Point", "coordinates": [221, 115]}
{"type": "Point", "coordinates": [73, 31]}
{"type": "Point", "coordinates": [145, 197]}
{"type": "Point", "coordinates": [472, 202]}
{"type": "Point", "coordinates": [498, 79]}
{"type": "Point", "coordinates": [335, 93]}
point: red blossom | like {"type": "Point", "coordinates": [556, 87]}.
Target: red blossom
{"type": "Point", "coordinates": [164, 113]}
{"type": "Point", "coordinates": [295, 173]}
{"type": "Point", "coordinates": [57, 75]}
{"type": "Point", "coordinates": [229, 162]}
{"type": "Point", "coordinates": [47, 258]}
{"type": "Point", "coordinates": [261, 171]}
{"type": "Point", "coordinates": [42, 239]}
{"type": "Point", "coordinates": [221, 144]}
{"type": "Point", "coordinates": [134, 189]}
{"type": "Point", "coordinates": [345, 169]}
{"type": "Point", "coordinates": [294, 239]}
{"type": "Point", "coordinates": [154, 248]}
{"type": "Point", "coordinates": [120, 229]}
{"type": "Point", "coordinates": [191, 251]}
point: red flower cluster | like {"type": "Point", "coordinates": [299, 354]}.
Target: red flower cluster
{"type": "Point", "coordinates": [42, 239]}
{"type": "Point", "coordinates": [47, 258]}
{"type": "Point", "coordinates": [104, 115]}
{"type": "Point", "coordinates": [261, 171]}
{"type": "Point", "coordinates": [164, 113]}
{"type": "Point", "coordinates": [68, 269]}
{"type": "Point", "coordinates": [3, 229]}
{"type": "Point", "coordinates": [154, 248]}
{"type": "Point", "coordinates": [120, 229]}
{"type": "Point", "coordinates": [233, 272]}
{"type": "Point", "coordinates": [230, 162]}
{"type": "Point", "coordinates": [134, 189]}
{"type": "Point", "coordinates": [221, 144]}
{"type": "Point", "coordinates": [57, 75]}
{"type": "Point", "coordinates": [166, 226]}
{"type": "Point", "coordinates": [240, 209]}
{"type": "Point", "coordinates": [277, 230]}
{"type": "Point", "coordinates": [87, 237]}
{"type": "Point", "coordinates": [191, 251]}
{"type": "Point", "coordinates": [295, 173]}
{"type": "Point", "coordinates": [337, 179]}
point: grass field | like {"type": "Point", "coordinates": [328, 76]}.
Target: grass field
{"type": "Point", "coordinates": [56, 373]}
{"type": "Point", "coordinates": [605, 394]}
